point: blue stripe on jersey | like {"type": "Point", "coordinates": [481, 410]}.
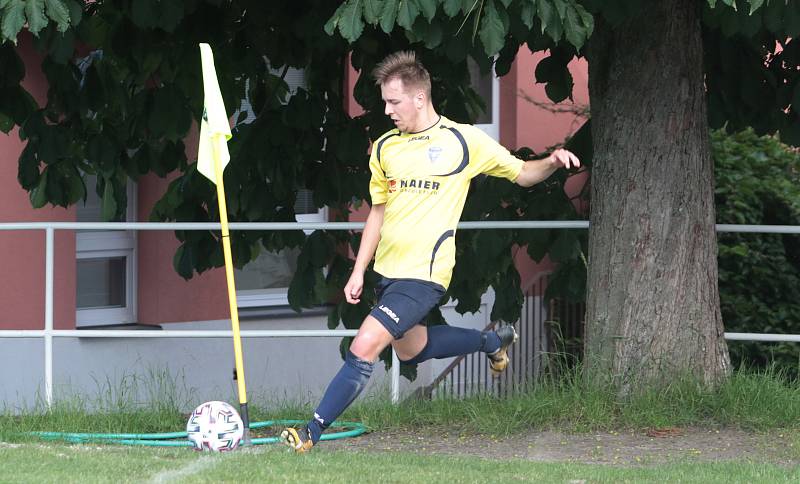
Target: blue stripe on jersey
{"type": "Point", "coordinates": [380, 145]}
{"type": "Point", "coordinates": [445, 236]}
{"type": "Point", "coordinates": [465, 159]}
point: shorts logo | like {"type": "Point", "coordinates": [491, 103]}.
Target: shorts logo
{"type": "Point", "coordinates": [389, 313]}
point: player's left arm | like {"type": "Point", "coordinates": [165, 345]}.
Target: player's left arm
{"type": "Point", "coordinates": [535, 171]}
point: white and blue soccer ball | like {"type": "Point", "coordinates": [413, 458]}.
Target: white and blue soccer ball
{"type": "Point", "coordinates": [215, 426]}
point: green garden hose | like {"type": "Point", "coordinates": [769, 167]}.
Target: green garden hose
{"type": "Point", "coordinates": [180, 439]}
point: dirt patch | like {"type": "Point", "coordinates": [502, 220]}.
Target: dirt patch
{"type": "Point", "coordinates": [645, 447]}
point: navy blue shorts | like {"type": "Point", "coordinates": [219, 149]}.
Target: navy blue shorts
{"type": "Point", "coordinates": [404, 303]}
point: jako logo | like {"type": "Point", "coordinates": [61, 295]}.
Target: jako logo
{"type": "Point", "coordinates": [389, 313]}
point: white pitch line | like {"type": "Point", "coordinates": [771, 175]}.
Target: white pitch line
{"type": "Point", "coordinates": [192, 468]}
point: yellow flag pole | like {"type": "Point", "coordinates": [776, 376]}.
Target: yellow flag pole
{"type": "Point", "coordinates": [237, 339]}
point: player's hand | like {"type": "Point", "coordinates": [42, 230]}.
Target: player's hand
{"type": "Point", "coordinates": [564, 158]}
{"type": "Point", "coordinates": [353, 288]}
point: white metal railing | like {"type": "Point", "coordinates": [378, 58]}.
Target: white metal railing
{"type": "Point", "coordinates": [48, 333]}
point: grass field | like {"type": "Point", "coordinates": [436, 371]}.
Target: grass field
{"type": "Point", "coordinates": [53, 462]}
{"type": "Point", "coordinates": [757, 402]}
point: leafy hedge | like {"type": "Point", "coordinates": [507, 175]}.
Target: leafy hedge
{"type": "Point", "coordinates": [758, 182]}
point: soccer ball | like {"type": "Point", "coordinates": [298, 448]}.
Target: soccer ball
{"type": "Point", "coordinates": [215, 426]}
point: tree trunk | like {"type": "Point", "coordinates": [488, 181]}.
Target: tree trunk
{"type": "Point", "coordinates": [653, 310]}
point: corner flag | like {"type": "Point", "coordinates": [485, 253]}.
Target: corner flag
{"type": "Point", "coordinates": [212, 157]}
{"type": "Point", "coordinates": [214, 128]}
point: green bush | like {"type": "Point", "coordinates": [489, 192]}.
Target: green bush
{"type": "Point", "coordinates": [758, 182]}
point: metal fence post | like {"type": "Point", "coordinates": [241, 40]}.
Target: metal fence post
{"type": "Point", "coordinates": [395, 377]}
{"type": "Point", "coordinates": [48, 316]}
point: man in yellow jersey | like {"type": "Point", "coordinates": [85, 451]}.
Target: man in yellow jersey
{"type": "Point", "coordinates": [421, 172]}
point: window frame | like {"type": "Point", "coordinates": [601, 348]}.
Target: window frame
{"type": "Point", "coordinates": [278, 296]}
{"type": "Point", "coordinates": [493, 128]}
{"type": "Point", "coordinates": [106, 244]}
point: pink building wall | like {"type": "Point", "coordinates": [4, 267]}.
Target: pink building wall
{"type": "Point", "coordinates": [22, 253]}
{"type": "Point", "coordinates": [531, 124]}
{"type": "Point", "coordinates": [163, 296]}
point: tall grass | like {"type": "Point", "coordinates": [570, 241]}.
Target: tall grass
{"type": "Point", "coordinates": [149, 402]}
{"type": "Point", "coordinates": [753, 400]}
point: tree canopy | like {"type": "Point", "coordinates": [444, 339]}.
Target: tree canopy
{"type": "Point", "coordinates": [125, 89]}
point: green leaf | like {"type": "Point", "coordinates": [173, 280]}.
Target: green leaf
{"type": "Point", "coordinates": [13, 70]}
{"type": "Point", "coordinates": [389, 16]}
{"type": "Point", "coordinates": [451, 7]}
{"type": "Point", "coordinates": [351, 24]}
{"type": "Point", "coordinates": [75, 12]}
{"type": "Point", "coordinates": [575, 31]}
{"type": "Point", "coordinates": [407, 12]}
{"type": "Point", "coordinates": [319, 248]}
{"type": "Point", "coordinates": [755, 5]}
{"type": "Point", "coordinates": [76, 190]}
{"type": "Point", "coordinates": [333, 317]}
{"type": "Point", "coordinates": [492, 32]}
{"type": "Point", "coordinates": [791, 20]}
{"type": "Point", "coordinates": [108, 204]}
{"type": "Point", "coordinates": [730, 3]}
{"type": "Point", "coordinates": [182, 261]}
{"type": "Point", "coordinates": [433, 35]}
{"type": "Point", "coordinates": [6, 123]}
{"type": "Point", "coordinates": [58, 13]}
{"type": "Point", "coordinates": [561, 8]}
{"type": "Point", "coordinates": [169, 15]}
{"type": "Point", "coordinates": [63, 46]}
{"type": "Point", "coordinates": [144, 13]}
{"type": "Point", "coordinates": [565, 247]}
{"type": "Point", "coordinates": [372, 11]}
{"type": "Point", "coordinates": [39, 194]}
{"type": "Point", "coordinates": [712, 3]}
{"type": "Point", "coordinates": [34, 10]}
{"type": "Point", "coordinates": [553, 71]}
{"type": "Point", "coordinates": [428, 8]}
{"type": "Point", "coordinates": [28, 171]}
{"type": "Point", "coordinates": [12, 21]}
{"type": "Point", "coordinates": [587, 19]}
{"type": "Point", "coordinates": [547, 15]}
{"type": "Point", "coordinates": [333, 22]}
{"type": "Point", "coordinates": [528, 13]}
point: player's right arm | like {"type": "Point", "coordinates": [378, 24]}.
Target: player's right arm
{"type": "Point", "coordinates": [379, 193]}
{"type": "Point", "coordinates": [366, 250]}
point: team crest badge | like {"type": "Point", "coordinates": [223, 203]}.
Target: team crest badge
{"type": "Point", "coordinates": [433, 153]}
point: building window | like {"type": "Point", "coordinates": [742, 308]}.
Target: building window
{"type": "Point", "coordinates": [106, 266]}
{"type": "Point", "coordinates": [488, 88]}
{"type": "Point", "coordinates": [265, 280]}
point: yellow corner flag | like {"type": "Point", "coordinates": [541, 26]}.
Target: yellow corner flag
{"type": "Point", "coordinates": [212, 157]}
{"type": "Point", "coordinates": [214, 128]}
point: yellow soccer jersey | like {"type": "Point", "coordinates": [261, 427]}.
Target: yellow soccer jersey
{"type": "Point", "coordinates": [423, 179]}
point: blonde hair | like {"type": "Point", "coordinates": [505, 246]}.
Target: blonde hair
{"type": "Point", "coordinates": [403, 65]}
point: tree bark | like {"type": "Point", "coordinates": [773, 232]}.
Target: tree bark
{"type": "Point", "coordinates": [653, 310]}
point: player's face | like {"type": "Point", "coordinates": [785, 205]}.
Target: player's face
{"type": "Point", "coordinates": [402, 105]}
